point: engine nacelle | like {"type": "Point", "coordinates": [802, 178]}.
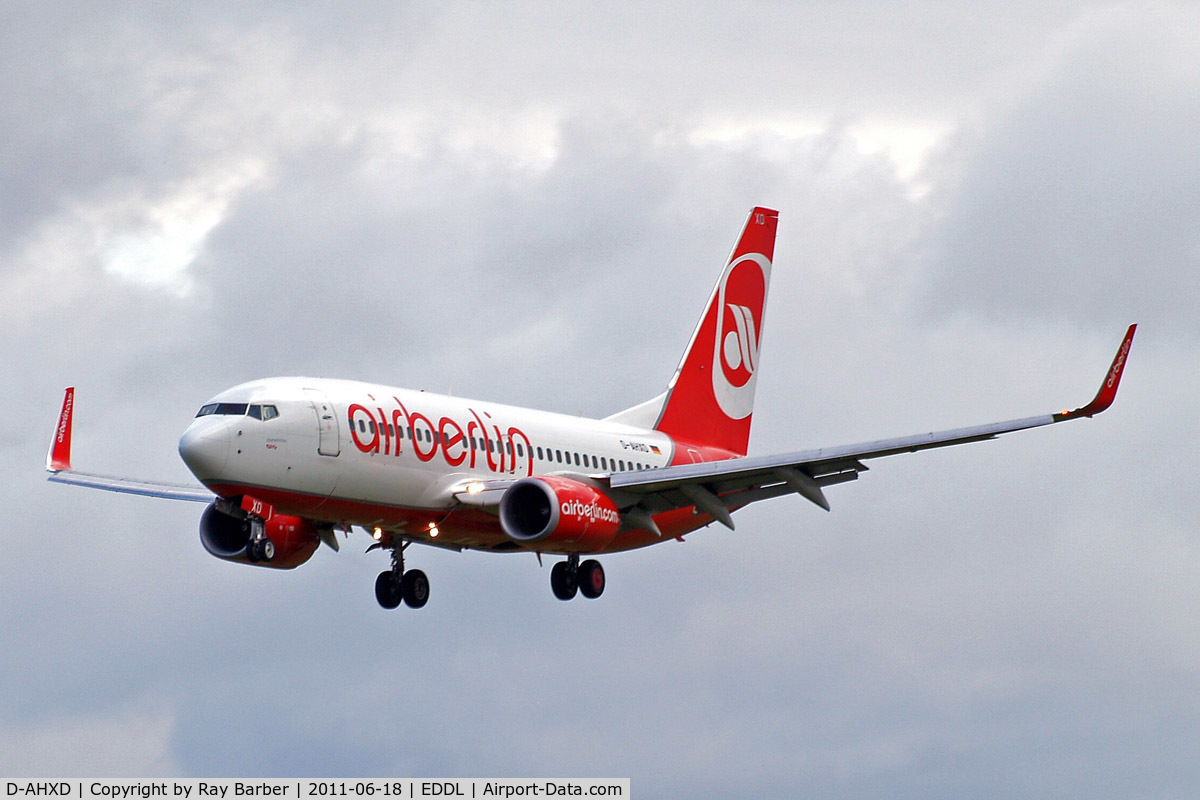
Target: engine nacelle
{"type": "Point", "coordinates": [228, 537]}
{"type": "Point", "coordinates": [553, 510]}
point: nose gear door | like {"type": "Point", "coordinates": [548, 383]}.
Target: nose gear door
{"type": "Point", "coordinates": [329, 442]}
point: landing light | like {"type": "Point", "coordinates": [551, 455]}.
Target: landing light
{"type": "Point", "coordinates": [378, 534]}
{"type": "Point", "coordinates": [433, 530]}
{"type": "Point", "coordinates": [474, 487]}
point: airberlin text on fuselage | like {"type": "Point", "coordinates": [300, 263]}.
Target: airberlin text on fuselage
{"type": "Point", "coordinates": [474, 443]}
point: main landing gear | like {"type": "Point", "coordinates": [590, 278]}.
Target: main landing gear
{"type": "Point", "coordinates": [568, 577]}
{"type": "Point", "coordinates": [395, 585]}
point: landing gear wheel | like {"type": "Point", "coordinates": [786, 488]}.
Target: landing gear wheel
{"type": "Point", "coordinates": [261, 550]}
{"type": "Point", "coordinates": [563, 581]}
{"type": "Point", "coordinates": [415, 588]}
{"type": "Point", "coordinates": [387, 592]}
{"type": "Point", "coordinates": [591, 579]}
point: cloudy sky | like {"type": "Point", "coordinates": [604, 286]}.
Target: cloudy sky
{"type": "Point", "coordinates": [525, 204]}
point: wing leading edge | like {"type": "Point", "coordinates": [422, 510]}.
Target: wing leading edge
{"type": "Point", "coordinates": [716, 487]}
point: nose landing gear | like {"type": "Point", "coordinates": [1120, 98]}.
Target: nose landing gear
{"type": "Point", "coordinates": [259, 547]}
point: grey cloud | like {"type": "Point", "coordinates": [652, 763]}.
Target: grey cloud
{"type": "Point", "coordinates": [1076, 204]}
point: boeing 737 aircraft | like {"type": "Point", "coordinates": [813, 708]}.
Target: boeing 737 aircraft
{"type": "Point", "coordinates": [286, 462]}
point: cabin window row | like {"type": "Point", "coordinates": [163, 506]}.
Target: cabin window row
{"type": "Point", "coordinates": [432, 437]}
{"type": "Point", "coordinates": [586, 460]}
{"type": "Point", "coordinates": [554, 456]}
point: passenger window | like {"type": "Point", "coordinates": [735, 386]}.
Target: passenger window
{"type": "Point", "coordinates": [558, 456]}
{"type": "Point", "coordinates": [362, 426]}
{"type": "Point", "coordinates": [576, 456]}
{"type": "Point", "coordinates": [539, 452]}
{"type": "Point", "coordinates": [520, 450]}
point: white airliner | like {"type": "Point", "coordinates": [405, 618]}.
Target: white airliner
{"type": "Point", "coordinates": [292, 460]}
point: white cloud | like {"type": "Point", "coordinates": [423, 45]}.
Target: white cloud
{"type": "Point", "coordinates": [153, 241]}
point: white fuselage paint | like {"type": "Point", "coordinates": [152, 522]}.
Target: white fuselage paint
{"type": "Point", "coordinates": [379, 478]}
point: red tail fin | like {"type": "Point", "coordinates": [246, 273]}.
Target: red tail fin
{"type": "Point", "coordinates": [711, 398]}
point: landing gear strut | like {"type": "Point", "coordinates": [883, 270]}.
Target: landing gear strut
{"type": "Point", "coordinates": [395, 585]}
{"type": "Point", "coordinates": [568, 577]}
{"type": "Point", "coordinates": [259, 548]}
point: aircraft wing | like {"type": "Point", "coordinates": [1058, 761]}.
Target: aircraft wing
{"type": "Point", "coordinates": [717, 487]}
{"type": "Point", "coordinates": [58, 462]}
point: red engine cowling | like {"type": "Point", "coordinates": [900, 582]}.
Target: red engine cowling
{"type": "Point", "coordinates": [565, 513]}
{"type": "Point", "coordinates": [228, 537]}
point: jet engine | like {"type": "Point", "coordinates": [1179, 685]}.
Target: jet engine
{"type": "Point", "coordinates": [550, 510]}
{"type": "Point", "coordinates": [228, 537]}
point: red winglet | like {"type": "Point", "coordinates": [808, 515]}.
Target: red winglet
{"type": "Point", "coordinates": [1108, 390]}
{"type": "Point", "coordinates": [59, 457]}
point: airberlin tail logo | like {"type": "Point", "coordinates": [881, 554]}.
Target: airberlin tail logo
{"type": "Point", "coordinates": [739, 351]}
{"type": "Point", "coordinates": [741, 298]}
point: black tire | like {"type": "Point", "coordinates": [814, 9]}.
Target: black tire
{"type": "Point", "coordinates": [591, 579]}
{"type": "Point", "coordinates": [415, 588]}
{"type": "Point", "coordinates": [562, 582]}
{"type": "Point", "coordinates": [386, 590]}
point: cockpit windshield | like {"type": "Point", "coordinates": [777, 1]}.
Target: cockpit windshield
{"type": "Point", "coordinates": [263, 412]}
{"type": "Point", "coordinates": [227, 409]}
{"type": "Point", "coordinates": [256, 410]}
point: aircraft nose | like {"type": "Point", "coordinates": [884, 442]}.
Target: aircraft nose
{"type": "Point", "coordinates": [204, 447]}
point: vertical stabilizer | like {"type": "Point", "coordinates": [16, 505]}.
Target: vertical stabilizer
{"type": "Point", "coordinates": [710, 399]}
